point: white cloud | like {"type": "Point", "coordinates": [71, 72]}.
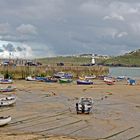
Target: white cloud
{"type": "Point", "coordinates": [135, 27]}
{"type": "Point", "coordinates": [4, 28]}
{"type": "Point", "coordinates": [46, 24]}
{"type": "Point", "coordinates": [27, 29]}
{"type": "Point", "coordinates": [122, 52]}
{"type": "Point", "coordinates": [90, 7]}
{"type": "Point", "coordinates": [109, 32]}
{"type": "Point", "coordinates": [133, 10]}
{"type": "Point", "coordinates": [24, 52]}
{"type": "Point", "coordinates": [122, 34]}
{"type": "Point", "coordinates": [114, 16]}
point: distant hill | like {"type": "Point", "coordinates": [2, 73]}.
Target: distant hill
{"type": "Point", "coordinates": [131, 59]}
{"type": "Point", "coordinates": [67, 60]}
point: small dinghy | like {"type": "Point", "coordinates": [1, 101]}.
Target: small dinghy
{"type": "Point", "coordinates": [6, 81]}
{"type": "Point", "coordinates": [131, 82]}
{"type": "Point", "coordinates": [51, 80]}
{"type": "Point", "coordinates": [110, 82]}
{"type": "Point", "coordinates": [65, 80]}
{"type": "Point", "coordinates": [84, 105]}
{"type": "Point", "coordinates": [7, 101]}
{"type": "Point", "coordinates": [40, 79]}
{"type": "Point", "coordinates": [30, 78]}
{"type": "Point", "coordinates": [7, 89]}
{"type": "Point", "coordinates": [63, 75]}
{"type": "Point", "coordinates": [108, 79]}
{"type": "Point", "coordinates": [84, 82]}
{"type": "Point", "coordinates": [90, 77]}
{"type": "Point", "coordinates": [5, 120]}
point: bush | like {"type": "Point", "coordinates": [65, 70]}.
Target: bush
{"type": "Point", "coordinates": [8, 76]}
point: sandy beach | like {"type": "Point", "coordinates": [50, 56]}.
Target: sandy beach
{"type": "Point", "coordinates": [47, 111]}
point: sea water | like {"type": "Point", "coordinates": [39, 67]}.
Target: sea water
{"type": "Point", "coordinates": [131, 72]}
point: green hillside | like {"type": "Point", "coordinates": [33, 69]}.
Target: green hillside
{"type": "Point", "coordinates": [131, 59]}
{"type": "Point", "coordinates": [67, 60]}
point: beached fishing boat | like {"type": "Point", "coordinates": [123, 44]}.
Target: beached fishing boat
{"type": "Point", "coordinates": [81, 78]}
{"type": "Point", "coordinates": [7, 101]}
{"type": "Point", "coordinates": [109, 82]}
{"type": "Point", "coordinates": [131, 82]}
{"type": "Point", "coordinates": [6, 81]}
{"type": "Point", "coordinates": [120, 78]}
{"type": "Point", "coordinates": [84, 82]}
{"type": "Point", "coordinates": [108, 79]}
{"type": "Point", "coordinates": [90, 77]}
{"type": "Point", "coordinates": [65, 80]}
{"type": "Point", "coordinates": [51, 80]}
{"type": "Point", "coordinates": [63, 75]}
{"type": "Point", "coordinates": [84, 105]}
{"type": "Point", "coordinates": [40, 79]}
{"type": "Point", "coordinates": [4, 120]}
{"type": "Point", "coordinates": [30, 78]}
{"type": "Point", "coordinates": [59, 74]}
{"type": "Point", "coordinates": [7, 89]}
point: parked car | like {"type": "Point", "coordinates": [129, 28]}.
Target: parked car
{"type": "Point", "coordinates": [30, 63]}
{"type": "Point", "coordinates": [60, 64]}
{"type": "Point", "coordinates": [5, 63]}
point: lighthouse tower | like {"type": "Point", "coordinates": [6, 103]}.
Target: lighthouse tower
{"type": "Point", "coordinates": [93, 59]}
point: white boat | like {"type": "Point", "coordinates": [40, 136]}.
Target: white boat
{"type": "Point", "coordinates": [59, 74]}
{"type": "Point", "coordinates": [5, 120]}
{"type": "Point", "coordinates": [8, 89]}
{"type": "Point", "coordinates": [6, 81]}
{"type": "Point", "coordinates": [84, 105]}
{"type": "Point", "coordinates": [109, 79]}
{"type": "Point", "coordinates": [90, 77]}
{"type": "Point", "coordinates": [30, 78]}
{"type": "Point", "coordinates": [7, 101]}
{"type": "Point", "coordinates": [119, 78]}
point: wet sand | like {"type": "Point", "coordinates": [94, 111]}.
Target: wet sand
{"type": "Point", "coordinates": [47, 111]}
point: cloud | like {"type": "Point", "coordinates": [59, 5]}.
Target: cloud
{"type": "Point", "coordinates": [12, 50]}
{"type": "Point", "coordinates": [17, 38]}
{"type": "Point", "coordinates": [20, 49]}
{"type": "Point", "coordinates": [1, 50]}
{"type": "Point", "coordinates": [4, 28]}
{"type": "Point", "coordinates": [133, 10]}
{"type": "Point", "coordinates": [114, 16]}
{"type": "Point", "coordinates": [122, 34]}
{"type": "Point", "coordinates": [90, 7]}
{"type": "Point", "coordinates": [25, 53]}
{"type": "Point", "coordinates": [122, 52]}
{"type": "Point", "coordinates": [27, 29]}
{"type": "Point", "coordinates": [9, 47]}
{"type": "Point", "coordinates": [62, 27]}
{"type": "Point", "coordinates": [135, 26]}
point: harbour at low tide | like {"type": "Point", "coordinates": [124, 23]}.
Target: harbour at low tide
{"type": "Point", "coordinates": [48, 109]}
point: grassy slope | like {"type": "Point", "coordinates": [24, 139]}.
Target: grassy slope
{"type": "Point", "coordinates": [68, 60]}
{"type": "Point", "coordinates": [130, 59]}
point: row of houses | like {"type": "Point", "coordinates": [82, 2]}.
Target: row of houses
{"type": "Point", "coordinates": [18, 62]}
{"type": "Point", "coordinates": [94, 55]}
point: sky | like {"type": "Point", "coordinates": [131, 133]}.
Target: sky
{"type": "Point", "coordinates": [47, 28]}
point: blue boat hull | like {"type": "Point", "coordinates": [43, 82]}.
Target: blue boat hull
{"type": "Point", "coordinates": [79, 82]}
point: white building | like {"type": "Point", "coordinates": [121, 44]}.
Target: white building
{"type": "Point", "coordinates": [93, 59]}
